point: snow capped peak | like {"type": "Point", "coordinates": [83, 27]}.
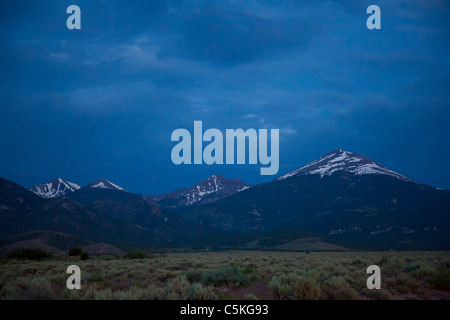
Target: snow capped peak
{"type": "Point", "coordinates": [343, 161]}
{"type": "Point", "coordinates": [213, 188]}
{"type": "Point", "coordinates": [55, 188]}
{"type": "Point", "coordinates": [209, 186]}
{"type": "Point", "coordinates": [105, 184]}
{"type": "Point", "coordinates": [208, 190]}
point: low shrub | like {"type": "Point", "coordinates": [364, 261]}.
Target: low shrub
{"type": "Point", "coordinates": [404, 283]}
{"type": "Point", "coordinates": [247, 270]}
{"type": "Point", "coordinates": [84, 256]}
{"type": "Point", "coordinates": [231, 275]}
{"type": "Point", "coordinates": [178, 289]}
{"type": "Point", "coordinates": [293, 285]}
{"type": "Point", "coordinates": [411, 268]}
{"type": "Point", "coordinates": [306, 289]}
{"type": "Point", "coordinates": [195, 275]}
{"type": "Point", "coordinates": [93, 277]}
{"type": "Point", "coordinates": [250, 296]}
{"type": "Point", "coordinates": [424, 270]}
{"type": "Point", "coordinates": [280, 287]}
{"type": "Point", "coordinates": [357, 263]}
{"type": "Point", "coordinates": [377, 294]}
{"type": "Point", "coordinates": [441, 280]}
{"type": "Point", "coordinates": [200, 292]}
{"type": "Point", "coordinates": [137, 255]}
{"type": "Point", "coordinates": [73, 252]}
{"type": "Point", "coordinates": [336, 288]}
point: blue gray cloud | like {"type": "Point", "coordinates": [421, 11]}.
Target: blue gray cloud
{"type": "Point", "coordinates": [103, 101]}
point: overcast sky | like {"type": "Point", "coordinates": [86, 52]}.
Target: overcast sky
{"type": "Point", "coordinates": [102, 102]}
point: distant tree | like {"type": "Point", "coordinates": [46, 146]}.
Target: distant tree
{"type": "Point", "coordinates": [137, 255]}
{"type": "Point", "coordinates": [84, 256]}
{"type": "Point", "coordinates": [75, 252]}
{"type": "Point", "coordinates": [29, 254]}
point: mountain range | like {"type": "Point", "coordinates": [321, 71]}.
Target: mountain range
{"type": "Point", "coordinates": [341, 200]}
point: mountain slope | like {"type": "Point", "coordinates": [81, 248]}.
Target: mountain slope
{"type": "Point", "coordinates": [206, 191]}
{"type": "Point", "coordinates": [341, 197]}
{"type": "Point", "coordinates": [341, 161]}
{"type": "Point", "coordinates": [140, 219]}
{"type": "Point", "coordinates": [16, 203]}
{"type": "Point", "coordinates": [49, 241]}
{"type": "Point", "coordinates": [23, 211]}
{"type": "Point", "coordinates": [55, 188]}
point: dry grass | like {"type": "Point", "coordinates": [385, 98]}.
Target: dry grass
{"type": "Point", "coordinates": [233, 275]}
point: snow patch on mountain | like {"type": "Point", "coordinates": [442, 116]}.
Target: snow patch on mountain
{"type": "Point", "coordinates": [209, 190]}
{"type": "Point", "coordinates": [55, 188]}
{"type": "Point", "coordinates": [210, 186]}
{"type": "Point", "coordinates": [105, 184]}
{"type": "Point", "coordinates": [343, 161]}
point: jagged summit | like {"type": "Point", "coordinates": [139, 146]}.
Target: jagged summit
{"type": "Point", "coordinates": [55, 188]}
{"type": "Point", "coordinates": [208, 190]}
{"type": "Point", "coordinates": [105, 184]}
{"type": "Point", "coordinates": [212, 185]}
{"type": "Point", "coordinates": [343, 161]}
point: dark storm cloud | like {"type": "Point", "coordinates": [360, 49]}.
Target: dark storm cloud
{"type": "Point", "coordinates": [226, 35]}
{"type": "Point", "coordinates": [102, 102]}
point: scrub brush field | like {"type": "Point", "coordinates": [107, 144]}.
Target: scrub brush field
{"type": "Point", "coordinates": [231, 275]}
